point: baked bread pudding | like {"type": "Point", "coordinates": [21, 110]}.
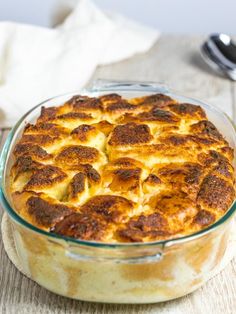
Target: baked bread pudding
{"type": "Point", "coordinates": [111, 169]}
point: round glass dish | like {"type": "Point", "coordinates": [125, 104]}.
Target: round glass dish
{"type": "Point", "coordinates": [122, 272]}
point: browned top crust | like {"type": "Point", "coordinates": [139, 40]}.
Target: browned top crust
{"type": "Point", "coordinates": [156, 114]}
{"type": "Point", "coordinates": [129, 134]}
{"type": "Point", "coordinates": [29, 149]}
{"type": "Point", "coordinates": [111, 208]}
{"type": "Point", "coordinates": [73, 155]}
{"type": "Point", "coordinates": [77, 184]}
{"type": "Point", "coordinates": [45, 176]}
{"type": "Point", "coordinates": [215, 193]}
{"type": "Point", "coordinates": [82, 131]}
{"type": "Point", "coordinates": [74, 116]}
{"type": "Point", "coordinates": [122, 170]}
{"type": "Point", "coordinates": [157, 100]}
{"type": "Point", "coordinates": [80, 226]}
{"type": "Point", "coordinates": [85, 103]}
{"type": "Point", "coordinates": [188, 110]}
{"type": "Point", "coordinates": [46, 213]}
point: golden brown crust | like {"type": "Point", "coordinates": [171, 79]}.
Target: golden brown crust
{"type": "Point", "coordinates": [73, 155]}
{"type": "Point", "coordinates": [74, 116]}
{"type": "Point", "coordinates": [45, 128]}
{"type": "Point", "coordinates": [45, 176]}
{"type": "Point", "coordinates": [80, 226]}
{"type": "Point", "coordinates": [130, 134]}
{"type": "Point", "coordinates": [82, 132]}
{"type": "Point", "coordinates": [45, 213]}
{"type": "Point", "coordinates": [104, 126]}
{"type": "Point", "coordinates": [156, 114]}
{"type": "Point", "coordinates": [77, 185]}
{"type": "Point", "coordinates": [47, 113]}
{"type": "Point", "coordinates": [111, 208]}
{"type": "Point", "coordinates": [25, 164]}
{"type": "Point", "coordinates": [122, 170]}
{"type": "Point", "coordinates": [204, 218]}
{"type": "Point", "coordinates": [85, 103]}
{"type": "Point", "coordinates": [157, 100]}
{"type": "Point", "coordinates": [150, 227]}
{"type": "Point", "coordinates": [206, 128]}
{"type": "Point", "coordinates": [215, 193]}
{"type": "Point", "coordinates": [30, 149]}
{"type": "Point", "coordinates": [188, 110]}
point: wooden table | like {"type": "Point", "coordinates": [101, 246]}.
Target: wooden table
{"type": "Point", "coordinates": [176, 62]}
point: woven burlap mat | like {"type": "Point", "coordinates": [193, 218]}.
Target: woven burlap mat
{"type": "Point", "coordinates": [10, 248]}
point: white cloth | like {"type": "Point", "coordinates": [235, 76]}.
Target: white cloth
{"type": "Point", "coordinates": [37, 63]}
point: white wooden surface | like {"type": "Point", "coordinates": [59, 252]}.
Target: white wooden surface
{"type": "Point", "coordinates": [176, 62]}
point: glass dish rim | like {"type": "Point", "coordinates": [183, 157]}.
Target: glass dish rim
{"type": "Point", "coordinates": [164, 243]}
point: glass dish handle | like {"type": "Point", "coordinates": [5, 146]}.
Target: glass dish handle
{"type": "Point", "coordinates": [110, 85]}
{"type": "Point", "coordinates": [119, 260]}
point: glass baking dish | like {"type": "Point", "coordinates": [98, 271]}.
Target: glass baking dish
{"type": "Point", "coordinates": [123, 272]}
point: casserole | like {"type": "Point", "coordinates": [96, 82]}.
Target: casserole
{"type": "Point", "coordinates": [118, 272]}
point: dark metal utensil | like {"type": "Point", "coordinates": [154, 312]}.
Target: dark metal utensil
{"type": "Point", "coordinates": [219, 51]}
